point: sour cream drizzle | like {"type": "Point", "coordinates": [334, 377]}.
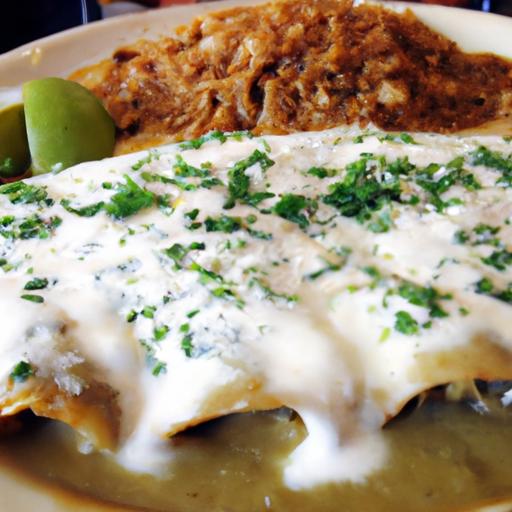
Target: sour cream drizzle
{"type": "Point", "coordinates": [234, 274]}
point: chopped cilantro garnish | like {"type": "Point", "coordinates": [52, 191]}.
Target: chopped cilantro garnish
{"type": "Point", "coordinates": [160, 332]}
{"type": "Point", "coordinates": [194, 225]}
{"type": "Point", "coordinates": [505, 295]}
{"type": "Point", "coordinates": [461, 237]}
{"type": "Point", "coordinates": [132, 316]}
{"type": "Point", "coordinates": [402, 137]}
{"type": "Point", "coordinates": [21, 372]}
{"type": "Point", "coordinates": [269, 292]}
{"type": "Point", "coordinates": [181, 184]}
{"type": "Point", "coordinates": [177, 252]}
{"type": "Point", "coordinates": [223, 291]}
{"type": "Point", "coordinates": [484, 231]}
{"type": "Point", "coordinates": [197, 143]}
{"type": "Point", "coordinates": [185, 170]}
{"type": "Point", "coordinates": [192, 214]}
{"type": "Point", "coordinates": [35, 227]}
{"type": "Point", "coordinates": [322, 172]}
{"type": "Point", "coordinates": [494, 160]}
{"type": "Point", "coordinates": [484, 286]}
{"type": "Point", "coordinates": [130, 199]}
{"type": "Point", "coordinates": [360, 193]}
{"type": "Point", "coordinates": [210, 182]}
{"type": "Point", "coordinates": [160, 367]}
{"type": "Point", "coordinates": [405, 137]}
{"type": "Point", "coordinates": [164, 204]}
{"type": "Point", "coordinates": [206, 276]}
{"type": "Point", "coordinates": [469, 182]}
{"type": "Point", "coordinates": [292, 207]}
{"type": "Point", "coordinates": [224, 224]}
{"type": "Point", "coordinates": [405, 323]}
{"type": "Point", "coordinates": [266, 146]}
{"type": "Point", "coordinates": [215, 135]}
{"type": "Point", "coordinates": [226, 293]}
{"type": "Point", "coordinates": [426, 297]}
{"type": "Point", "coordinates": [374, 273]}
{"type": "Point", "coordinates": [262, 235]}
{"type": "Point", "coordinates": [186, 345]}
{"type": "Point", "coordinates": [499, 260]}
{"type": "Point", "coordinates": [153, 154]}
{"type": "Point", "coordinates": [227, 224]}
{"type": "Point", "coordinates": [148, 311]}
{"type": "Point", "coordinates": [329, 267]}
{"type": "Point", "coordinates": [36, 284]}
{"type": "Point", "coordinates": [84, 211]}
{"type": "Point", "coordinates": [482, 234]}
{"type": "Point", "coordinates": [426, 178]}
{"type": "Point", "coordinates": [380, 223]}
{"type": "Point", "coordinates": [385, 334]}
{"type": "Point", "coordinates": [193, 313]}
{"type": "Point", "coordinates": [7, 220]}
{"type": "Point", "coordinates": [239, 135]}
{"type": "Point", "coordinates": [359, 139]}
{"type": "Point", "coordinates": [33, 298]}
{"type": "Point", "coordinates": [239, 182]}
{"type": "Point", "coordinates": [20, 192]}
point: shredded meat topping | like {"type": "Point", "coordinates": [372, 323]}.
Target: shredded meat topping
{"type": "Point", "coordinates": [297, 65]}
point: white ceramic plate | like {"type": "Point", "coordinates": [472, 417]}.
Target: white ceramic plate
{"type": "Point", "coordinates": [61, 54]}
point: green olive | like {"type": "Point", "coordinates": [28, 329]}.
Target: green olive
{"type": "Point", "coordinates": [14, 152]}
{"type": "Point", "coordinates": [66, 125]}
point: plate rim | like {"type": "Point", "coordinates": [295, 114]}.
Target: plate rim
{"type": "Point", "coordinates": [15, 483]}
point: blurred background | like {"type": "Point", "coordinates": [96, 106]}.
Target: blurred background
{"type": "Point", "coordinates": [22, 21]}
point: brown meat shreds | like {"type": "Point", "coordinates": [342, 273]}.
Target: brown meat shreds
{"type": "Point", "coordinates": [298, 65]}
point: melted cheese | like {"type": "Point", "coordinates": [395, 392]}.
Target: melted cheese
{"type": "Point", "coordinates": [304, 307]}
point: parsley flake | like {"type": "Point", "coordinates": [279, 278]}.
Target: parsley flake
{"type": "Point", "coordinates": [21, 372]}
{"type": "Point", "coordinates": [292, 207]}
{"type": "Point", "coordinates": [130, 199]}
{"type": "Point", "coordinates": [33, 298]}
{"type": "Point", "coordinates": [84, 211]}
{"type": "Point", "coordinates": [405, 323]}
{"type": "Point", "coordinates": [239, 182]}
{"type": "Point", "coordinates": [224, 224]}
{"type": "Point", "coordinates": [19, 192]}
{"type": "Point", "coordinates": [159, 368]}
{"type": "Point", "coordinates": [160, 332]}
{"type": "Point", "coordinates": [36, 284]}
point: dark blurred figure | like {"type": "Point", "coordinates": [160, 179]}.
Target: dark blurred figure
{"type": "Point", "coordinates": [502, 7]}
{"type": "Point", "coordinates": [22, 21]}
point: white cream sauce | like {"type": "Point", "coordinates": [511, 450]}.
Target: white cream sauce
{"type": "Point", "coordinates": [325, 345]}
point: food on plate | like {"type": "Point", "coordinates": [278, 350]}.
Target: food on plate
{"type": "Point", "coordinates": [338, 273]}
{"type": "Point", "coordinates": [297, 65]}
{"type": "Point", "coordinates": [66, 125]}
{"type": "Point", "coordinates": [14, 152]}
{"type": "Point", "coordinates": [344, 274]}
